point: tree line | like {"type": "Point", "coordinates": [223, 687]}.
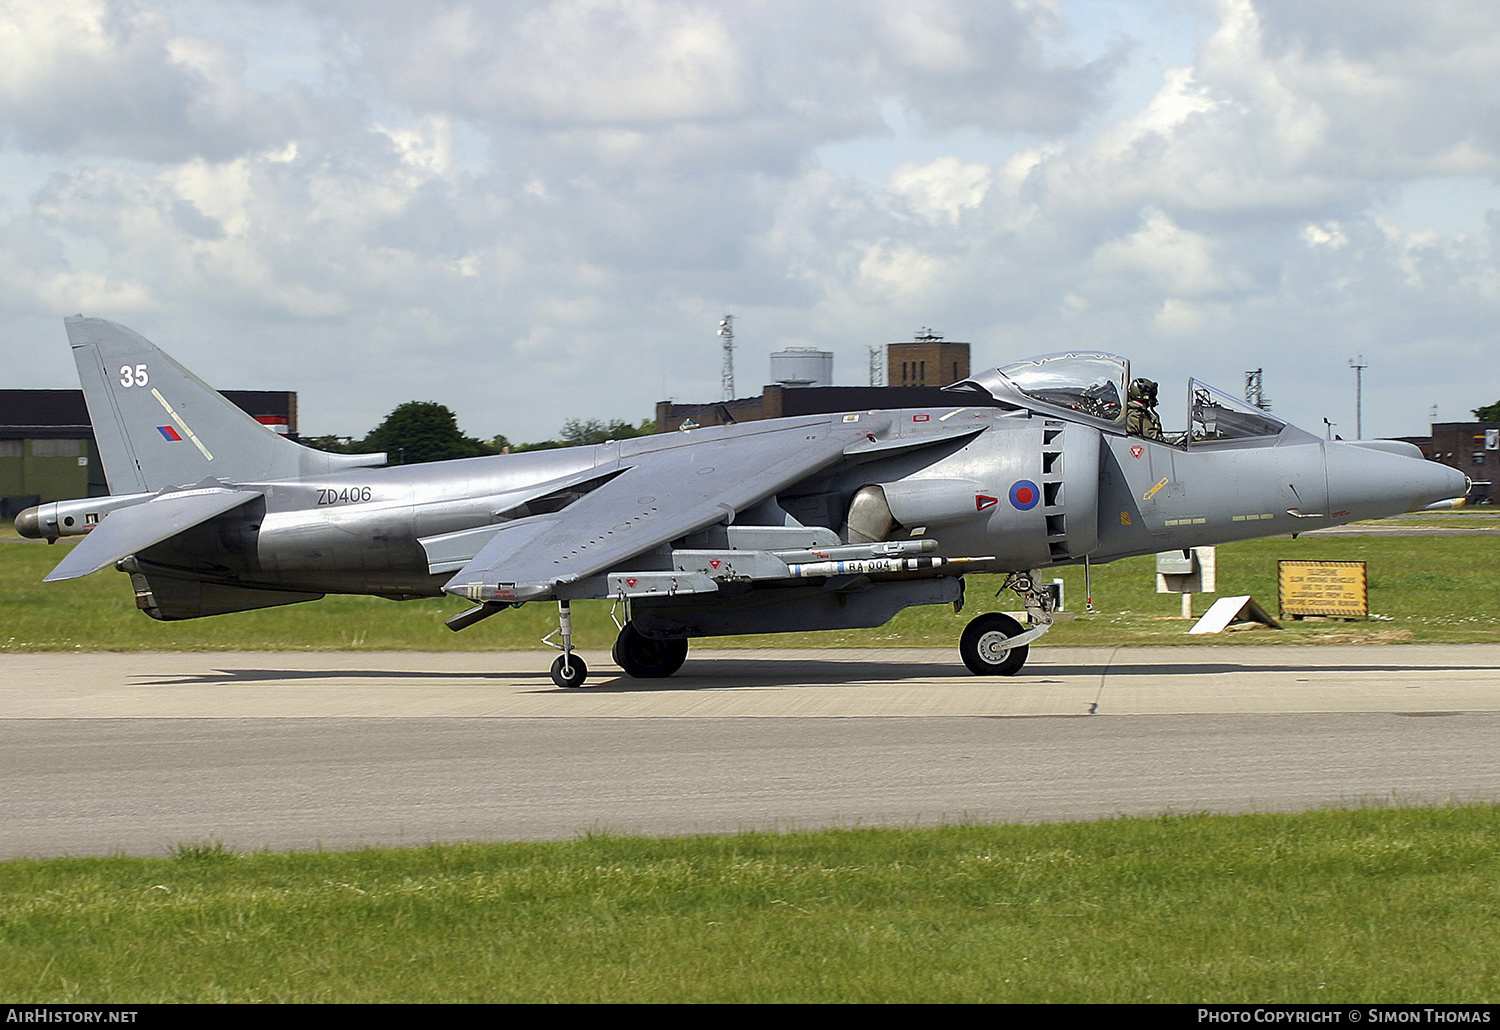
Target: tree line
{"type": "Point", "coordinates": [419, 431]}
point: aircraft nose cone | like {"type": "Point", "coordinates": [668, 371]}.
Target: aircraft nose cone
{"type": "Point", "coordinates": [1450, 483]}
{"type": "Point", "coordinates": [1371, 482]}
{"type": "Point", "coordinates": [1433, 482]}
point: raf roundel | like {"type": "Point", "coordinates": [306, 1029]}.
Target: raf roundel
{"type": "Point", "coordinates": [1024, 495]}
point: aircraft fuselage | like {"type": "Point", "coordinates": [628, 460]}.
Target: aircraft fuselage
{"type": "Point", "coordinates": [1099, 496]}
{"type": "Point", "coordinates": [811, 522]}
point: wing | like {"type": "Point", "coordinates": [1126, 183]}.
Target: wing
{"type": "Point", "coordinates": [666, 492]}
{"type": "Point", "coordinates": [660, 496]}
{"type": "Point", "coordinates": [130, 530]}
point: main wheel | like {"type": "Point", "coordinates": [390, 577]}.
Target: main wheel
{"type": "Point", "coordinates": [984, 646]}
{"type": "Point", "coordinates": [569, 671]}
{"type": "Point", "coordinates": [645, 658]}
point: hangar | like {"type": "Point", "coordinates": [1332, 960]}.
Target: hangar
{"type": "Point", "coordinates": [47, 450]}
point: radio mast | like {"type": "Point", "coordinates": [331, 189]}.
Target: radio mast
{"type": "Point", "coordinates": [1253, 393]}
{"type": "Point", "coordinates": [1359, 365]}
{"type": "Point", "coordinates": [726, 376]}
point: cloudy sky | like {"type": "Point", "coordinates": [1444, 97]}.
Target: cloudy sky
{"type": "Point", "coordinates": [539, 209]}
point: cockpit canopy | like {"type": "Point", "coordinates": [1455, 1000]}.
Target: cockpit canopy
{"type": "Point", "coordinates": [1085, 385]}
{"type": "Point", "coordinates": [1215, 417]}
{"type": "Point", "coordinates": [1091, 387]}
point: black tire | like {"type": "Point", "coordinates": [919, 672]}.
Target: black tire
{"type": "Point", "coordinates": [983, 646]}
{"type": "Point", "coordinates": [574, 674]}
{"type": "Point", "coordinates": [646, 658]}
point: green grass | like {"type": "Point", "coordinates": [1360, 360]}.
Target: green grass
{"type": "Point", "coordinates": [1372, 905]}
{"type": "Point", "coordinates": [1487, 518]}
{"type": "Point", "coordinates": [1424, 590]}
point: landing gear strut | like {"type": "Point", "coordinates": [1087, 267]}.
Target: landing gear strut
{"type": "Point", "coordinates": [569, 669]}
{"type": "Point", "coordinates": [994, 644]}
{"type": "Point", "coordinates": [646, 658]}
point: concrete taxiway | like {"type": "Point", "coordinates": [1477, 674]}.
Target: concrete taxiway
{"type": "Point", "coordinates": [134, 753]}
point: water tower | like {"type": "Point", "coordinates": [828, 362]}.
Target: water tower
{"type": "Point", "coordinates": [802, 366]}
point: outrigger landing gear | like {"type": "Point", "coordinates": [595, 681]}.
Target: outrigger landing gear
{"type": "Point", "coordinates": [569, 669]}
{"type": "Point", "coordinates": [994, 644]}
{"type": "Point", "coordinates": [646, 658]}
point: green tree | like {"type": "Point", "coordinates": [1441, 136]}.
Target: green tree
{"type": "Point", "coordinates": [1488, 413]}
{"type": "Point", "coordinates": [419, 431]}
{"type": "Point", "coordinates": [587, 431]}
{"type": "Point", "coordinates": [336, 444]}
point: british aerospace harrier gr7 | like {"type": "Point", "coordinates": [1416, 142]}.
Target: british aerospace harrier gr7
{"type": "Point", "coordinates": [812, 522]}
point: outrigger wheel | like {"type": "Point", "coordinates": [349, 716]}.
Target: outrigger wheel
{"type": "Point", "coordinates": [645, 657]}
{"type": "Point", "coordinates": [569, 671]}
{"type": "Point", "coordinates": [984, 646]}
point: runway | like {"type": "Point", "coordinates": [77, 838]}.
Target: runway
{"type": "Point", "coordinates": [135, 753]}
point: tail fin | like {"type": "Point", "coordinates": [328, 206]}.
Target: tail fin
{"type": "Point", "coordinates": [158, 425]}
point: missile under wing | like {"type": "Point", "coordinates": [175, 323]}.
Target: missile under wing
{"type": "Point", "coordinates": [812, 522]}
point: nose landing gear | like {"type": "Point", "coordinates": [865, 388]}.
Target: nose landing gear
{"type": "Point", "coordinates": [986, 649]}
{"type": "Point", "coordinates": [994, 644]}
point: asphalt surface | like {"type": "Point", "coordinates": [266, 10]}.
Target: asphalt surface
{"type": "Point", "coordinates": [137, 753]}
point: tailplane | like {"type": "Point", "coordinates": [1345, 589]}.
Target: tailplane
{"type": "Point", "coordinates": [158, 425]}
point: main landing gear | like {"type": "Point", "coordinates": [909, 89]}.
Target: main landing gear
{"type": "Point", "coordinates": [994, 644]}
{"type": "Point", "coordinates": [645, 658]}
{"type": "Point", "coordinates": [640, 656]}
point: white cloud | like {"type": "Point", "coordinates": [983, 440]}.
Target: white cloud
{"type": "Point", "coordinates": [1176, 262]}
{"type": "Point", "coordinates": [113, 79]}
{"type": "Point", "coordinates": [943, 190]}
{"type": "Point", "coordinates": [528, 207]}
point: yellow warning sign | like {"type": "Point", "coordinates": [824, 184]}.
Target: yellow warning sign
{"type": "Point", "coordinates": [1322, 588]}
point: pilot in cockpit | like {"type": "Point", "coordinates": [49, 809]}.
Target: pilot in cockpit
{"type": "Point", "coordinates": [1141, 418]}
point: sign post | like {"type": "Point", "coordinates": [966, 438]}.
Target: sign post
{"type": "Point", "coordinates": [1187, 572]}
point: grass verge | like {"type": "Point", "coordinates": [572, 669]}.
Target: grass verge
{"type": "Point", "coordinates": [1370, 905]}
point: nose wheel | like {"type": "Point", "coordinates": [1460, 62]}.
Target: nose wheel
{"type": "Point", "coordinates": [994, 644]}
{"type": "Point", "coordinates": [986, 649]}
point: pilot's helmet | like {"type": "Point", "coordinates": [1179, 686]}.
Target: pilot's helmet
{"type": "Point", "coordinates": [1143, 390]}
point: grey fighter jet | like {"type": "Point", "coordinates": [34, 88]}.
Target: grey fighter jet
{"type": "Point", "coordinates": [812, 522]}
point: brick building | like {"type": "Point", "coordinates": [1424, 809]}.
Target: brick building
{"type": "Point", "coordinates": [927, 360]}
{"type": "Point", "coordinates": [1471, 447]}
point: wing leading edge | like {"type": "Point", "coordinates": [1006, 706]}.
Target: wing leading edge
{"type": "Point", "coordinates": [658, 498]}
